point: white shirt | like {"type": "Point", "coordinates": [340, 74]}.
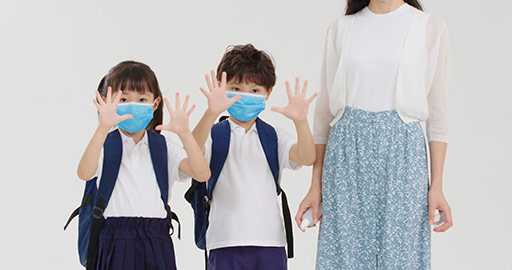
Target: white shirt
{"type": "Point", "coordinates": [421, 91]}
{"type": "Point", "coordinates": [374, 56]}
{"type": "Point", "coordinates": [136, 192]}
{"type": "Point", "coordinates": [244, 207]}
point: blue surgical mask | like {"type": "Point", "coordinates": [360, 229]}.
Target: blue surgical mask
{"type": "Point", "coordinates": [248, 107]}
{"type": "Point", "coordinates": [142, 115]}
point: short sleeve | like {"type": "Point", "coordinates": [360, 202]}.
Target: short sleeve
{"type": "Point", "coordinates": [330, 62]}
{"type": "Point", "coordinates": [208, 148]}
{"type": "Point", "coordinates": [175, 154]}
{"type": "Point", "coordinates": [284, 143]}
{"type": "Point", "coordinates": [437, 98]}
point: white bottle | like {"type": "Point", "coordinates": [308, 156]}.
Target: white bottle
{"type": "Point", "coordinates": [307, 218]}
{"type": "Point", "coordinates": [439, 219]}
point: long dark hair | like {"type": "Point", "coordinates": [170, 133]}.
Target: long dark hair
{"type": "Point", "coordinates": [135, 76]}
{"type": "Point", "coordinates": [353, 6]}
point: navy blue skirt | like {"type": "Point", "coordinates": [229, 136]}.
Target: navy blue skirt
{"type": "Point", "coordinates": [133, 243]}
{"type": "Point", "coordinates": [247, 258]}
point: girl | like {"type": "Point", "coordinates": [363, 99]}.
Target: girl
{"type": "Point", "coordinates": [385, 70]}
{"type": "Point", "coordinates": [135, 234]}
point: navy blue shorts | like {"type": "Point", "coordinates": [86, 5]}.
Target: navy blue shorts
{"type": "Point", "coordinates": [247, 258]}
{"type": "Point", "coordinates": [132, 243]}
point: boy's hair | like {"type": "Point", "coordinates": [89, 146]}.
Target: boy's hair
{"type": "Point", "coordinates": [244, 63]}
{"type": "Point", "coordinates": [138, 77]}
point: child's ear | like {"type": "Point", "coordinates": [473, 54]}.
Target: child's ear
{"type": "Point", "coordinates": [157, 102]}
{"type": "Point", "coordinates": [269, 91]}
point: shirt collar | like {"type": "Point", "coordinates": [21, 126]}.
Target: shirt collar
{"type": "Point", "coordinates": [126, 139]}
{"type": "Point", "coordinates": [235, 126]}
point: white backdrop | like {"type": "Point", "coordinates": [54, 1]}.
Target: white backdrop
{"type": "Point", "coordinates": [53, 54]}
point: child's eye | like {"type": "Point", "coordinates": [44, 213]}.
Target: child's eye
{"type": "Point", "coordinates": [235, 89]}
{"type": "Point", "coordinates": [255, 90]}
{"type": "Point", "coordinates": [123, 100]}
{"type": "Point", "coordinates": [142, 100]}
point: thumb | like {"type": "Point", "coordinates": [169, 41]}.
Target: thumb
{"type": "Point", "coordinates": [125, 117]}
{"type": "Point", "coordinates": [298, 218]}
{"type": "Point", "coordinates": [316, 213]}
{"type": "Point", "coordinates": [277, 109]}
{"type": "Point", "coordinates": [431, 214]}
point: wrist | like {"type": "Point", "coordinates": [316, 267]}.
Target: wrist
{"type": "Point", "coordinates": [211, 114]}
{"type": "Point", "coordinates": [184, 133]}
{"type": "Point", "coordinates": [103, 129]}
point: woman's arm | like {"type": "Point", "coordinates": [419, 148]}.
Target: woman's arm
{"type": "Point", "coordinates": [314, 197]}
{"type": "Point", "coordinates": [436, 199]}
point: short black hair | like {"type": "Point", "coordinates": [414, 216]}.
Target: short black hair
{"type": "Point", "coordinates": [245, 63]}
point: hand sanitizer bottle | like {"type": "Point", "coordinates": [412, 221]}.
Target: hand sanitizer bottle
{"type": "Point", "coordinates": [307, 218]}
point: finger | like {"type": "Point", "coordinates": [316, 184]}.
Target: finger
{"type": "Point", "coordinates": [209, 82]}
{"type": "Point", "coordinates": [449, 221]}
{"type": "Point", "coordinates": [159, 127]}
{"type": "Point", "coordinates": [96, 104]}
{"type": "Point", "coordinates": [235, 99]}
{"type": "Point", "coordinates": [214, 78]}
{"type": "Point", "coordinates": [224, 79]}
{"type": "Point", "coordinates": [316, 212]}
{"type": "Point", "coordinates": [99, 98]}
{"type": "Point", "coordinates": [304, 88]}
{"type": "Point", "coordinates": [431, 214]}
{"type": "Point", "coordinates": [297, 86]}
{"type": "Point", "coordinates": [298, 218]}
{"type": "Point", "coordinates": [277, 109]}
{"type": "Point", "coordinates": [185, 104]}
{"type": "Point", "coordinates": [288, 89]}
{"type": "Point", "coordinates": [191, 110]}
{"type": "Point", "coordinates": [309, 100]}
{"type": "Point", "coordinates": [177, 108]}
{"type": "Point", "coordinates": [168, 105]}
{"type": "Point", "coordinates": [118, 97]}
{"type": "Point", "coordinates": [204, 92]}
{"type": "Point", "coordinates": [125, 117]}
{"type": "Point", "coordinates": [109, 94]}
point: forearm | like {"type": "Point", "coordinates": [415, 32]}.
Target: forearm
{"type": "Point", "coordinates": [203, 128]}
{"type": "Point", "coordinates": [89, 161]}
{"type": "Point", "coordinates": [305, 145]}
{"type": "Point", "coordinates": [437, 158]}
{"type": "Point", "coordinates": [316, 181]}
{"type": "Point", "coordinates": [197, 166]}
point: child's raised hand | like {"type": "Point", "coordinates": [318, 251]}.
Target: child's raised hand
{"type": "Point", "coordinates": [179, 116]}
{"type": "Point", "coordinates": [297, 108]}
{"type": "Point", "coordinates": [218, 102]}
{"type": "Point", "coordinates": [108, 110]}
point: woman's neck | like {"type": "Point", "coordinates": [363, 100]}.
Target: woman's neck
{"type": "Point", "coordinates": [383, 7]}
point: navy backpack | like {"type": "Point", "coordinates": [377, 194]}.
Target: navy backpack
{"type": "Point", "coordinates": [95, 200]}
{"type": "Point", "coordinates": [200, 194]}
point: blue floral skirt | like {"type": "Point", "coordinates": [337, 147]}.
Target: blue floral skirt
{"type": "Point", "coordinates": [374, 190]}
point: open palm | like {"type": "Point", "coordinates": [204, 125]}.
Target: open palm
{"type": "Point", "coordinates": [297, 108]}
{"type": "Point", "coordinates": [218, 102]}
{"type": "Point", "coordinates": [108, 110]}
{"type": "Point", "coordinates": [179, 116]}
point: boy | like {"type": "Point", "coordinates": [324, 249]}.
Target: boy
{"type": "Point", "coordinates": [245, 229]}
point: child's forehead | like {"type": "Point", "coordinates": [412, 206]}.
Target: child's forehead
{"type": "Point", "coordinates": [135, 92]}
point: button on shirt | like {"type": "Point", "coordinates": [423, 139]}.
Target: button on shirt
{"type": "Point", "coordinates": [136, 192]}
{"type": "Point", "coordinates": [244, 207]}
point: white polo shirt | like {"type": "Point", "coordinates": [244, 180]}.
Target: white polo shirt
{"type": "Point", "coordinates": [136, 192]}
{"type": "Point", "coordinates": [244, 207]}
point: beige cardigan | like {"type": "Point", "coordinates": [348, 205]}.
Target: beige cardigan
{"type": "Point", "coordinates": [421, 88]}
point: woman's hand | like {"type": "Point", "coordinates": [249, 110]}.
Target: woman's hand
{"type": "Point", "coordinates": [312, 200]}
{"type": "Point", "coordinates": [179, 117]}
{"type": "Point", "coordinates": [108, 110]}
{"type": "Point", "coordinates": [437, 201]}
{"type": "Point", "coordinates": [297, 108]}
{"type": "Point", "coordinates": [218, 102]}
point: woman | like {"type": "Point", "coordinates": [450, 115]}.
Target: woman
{"type": "Point", "coordinates": [384, 72]}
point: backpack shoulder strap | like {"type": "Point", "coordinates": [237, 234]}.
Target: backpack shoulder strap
{"type": "Point", "coordinates": [112, 154]}
{"type": "Point", "coordinates": [221, 135]}
{"type": "Point", "coordinates": [268, 139]}
{"type": "Point", "coordinates": [159, 158]}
